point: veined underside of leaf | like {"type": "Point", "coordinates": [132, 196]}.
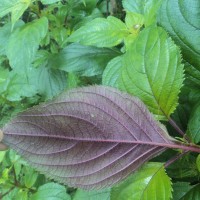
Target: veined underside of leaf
{"type": "Point", "coordinates": [90, 137]}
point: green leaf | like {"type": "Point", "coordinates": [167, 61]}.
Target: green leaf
{"type": "Point", "coordinates": [101, 32]}
{"type": "Point", "coordinates": [24, 43]}
{"type": "Point", "coordinates": [147, 8]}
{"type": "Point", "coordinates": [51, 191]}
{"type": "Point", "coordinates": [192, 76]}
{"type": "Point", "coordinates": [180, 189]}
{"type": "Point", "coordinates": [112, 72]}
{"type": "Point", "coordinates": [152, 70]}
{"type": "Point", "coordinates": [30, 177]}
{"type": "Point", "coordinates": [181, 20]}
{"type": "Point", "coordinates": [193, 194]}
{"type": "Point", "coordinates": [91, 195]}
{"type": "Point", "coordinates": [16, 7]}
{"type": "Point", "coordinates": [198, 162]}
{"type": "Point", "coordinates": [183, 168]}
{"type": "Point", "coordinates": [193, 125]}
{"type": "Point", "coordinates": [14, 86]}
{"type": "Point", "coordinates": [134, 22]}
{"type": "Point", "coordinates": [72, 80]}
{"type": "Point", "coordinates": [22, 195]}
{"type": "Point", "coordinates": [85, 60]}
{"type": "Point", "coordinates": [150, 182]}
{"type": "Point", "coordinates": [5, 32]}
{"type": "Point", "coordinates": [46, 2]}
{"type": "Point", "coordinates": [49, 82]}
{"type": "Point", "coordinates": [2, 154]}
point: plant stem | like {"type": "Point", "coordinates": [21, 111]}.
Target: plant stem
{"type": "Point", "coordinates": [176, 127]}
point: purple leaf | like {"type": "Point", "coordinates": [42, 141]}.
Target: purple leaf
{"type": "Point", "coordinates": [91, 137]}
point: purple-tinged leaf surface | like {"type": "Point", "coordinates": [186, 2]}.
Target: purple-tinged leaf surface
{"type": "Point", "coordinates": [91, 137]}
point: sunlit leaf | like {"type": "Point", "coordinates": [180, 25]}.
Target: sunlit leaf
{"type": "Point", "coordinates": [150, 182]}
{"type": "Point", "coordinates": [101, 32]}
{"type": "Point", "coordinates": [152, 70]}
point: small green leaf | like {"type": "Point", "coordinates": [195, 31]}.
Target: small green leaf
{"type": "Point", "coordinates": [147, 8]}
{"type": "Point", "coordinates": [112, 72]}
{"type": "Point", "coordinates": [85, 60]}
{"type": "Point", "coordinates": [92, 195]}
{"type": "Point", "coordinates": [16, 7]}
{"type": "Point", "coordinates": [152, 70]}
{"type": "Point", "coordinates": [51, 191]}
{"type": "Point", "coordinates": [134, 22]}
{"type": "Point", "coordinates": [101, 32]}
{"type": "Point", "coordinates": [30, 177]}
{"type": "Point", "coordinates": [193, 125]}
{"type": "Point", "coordinates": [150, 182]}
{"type": "Point", "coordinates": [24, 43]}
{"type": "Point", "coordinates": [180, 189]}
{"type": "Point", "coordinates": [181, 20]}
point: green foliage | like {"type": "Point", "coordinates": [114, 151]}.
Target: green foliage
{"type": "Point", "coordinates": [150, 182]}
{"type": "Point", "coordinates": [185, 26]}
{"type": "Point", "coordinates": [137, 46]}
{"type": "Point", "coordinates": [193, 125]}
{"type": "Point", "coordinates": [153, 71]}
{"type": "Point", "coordinates": [52, 191]}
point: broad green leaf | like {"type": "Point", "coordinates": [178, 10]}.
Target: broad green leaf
{"type": "Point", "coordinates": [193, 125]}
{"type": "Point", "coordinates": [15, 7]}
{"type": "Point", "coordinates": [181, 20]}
{"type": "Point", "coordinates": [193, 194]}
{"type": "Point", "coordinates": [92, 195]}
{"type": "Point", "coordinates": [152, 70]}
{"type": "Point", "coordinates": [5, 32]}
{"type": "Point", "coordinates": [101, 32]}
{"type": "Point", "coordinates": [112, 72]}
{"type": "Point", "coordinates": [150, 182]}
{"type": "Point", "coordinates": [85, 60]}
{"type": "Point", "coordinates": [51, 191]}
{"type": "Point", "coordinates": [147, 8]}
{"type": "Point", "coordinates": [180, 189]}
{"type": "Point", "coordinates": [45, 2]}
{"type": "Point", "coordinates": [24, 42]}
